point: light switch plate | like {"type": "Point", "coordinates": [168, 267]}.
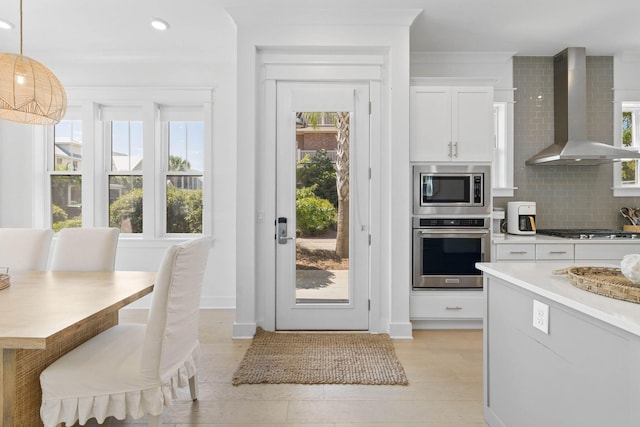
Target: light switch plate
{"type": "Point", "coordinates": [541, 316]}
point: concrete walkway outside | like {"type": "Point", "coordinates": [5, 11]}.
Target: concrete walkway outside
{"type": "Point", "coordinates": [321, 285]}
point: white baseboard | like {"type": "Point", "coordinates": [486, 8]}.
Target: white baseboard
{"type": "Point", "coordinates": [243, 331]}
{"type": "Point", "coordinates": [400, 330]}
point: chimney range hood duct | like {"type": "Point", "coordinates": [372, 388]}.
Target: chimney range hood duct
{"type": "Point", "coordinates": [571, 145]}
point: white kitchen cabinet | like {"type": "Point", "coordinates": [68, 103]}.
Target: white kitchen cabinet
{"type": "Point", "coordinates": [451, 123]}
{"type": "Point", "coordinates": [462, 305]}
{"type": "Point", "coordinates": [553, 252]}
{"type": "Point", "coordinates": [516, 252]}
{"type": "Point", "coordinates": [591, 251]}
{"type": "Point", "coordinates": [604, 252]}
{"type": "Point", "coordinates": [447, 309]}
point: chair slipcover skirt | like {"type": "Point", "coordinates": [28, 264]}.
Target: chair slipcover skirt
{"type": "Point", "coordinates": [114, 358]}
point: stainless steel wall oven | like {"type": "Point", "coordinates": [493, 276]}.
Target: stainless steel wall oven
{"type": "Point", "coordinates": [445, 251]}
{"type": "Point", "coordinates": [451, 224]}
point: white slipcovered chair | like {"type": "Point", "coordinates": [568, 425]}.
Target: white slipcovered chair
{"type": "Point", "coordinates": [135, 369]}
{"type": "Point", "coordinates": [24, 249]}
{"type": "Point", "coordinates": [85, 249]}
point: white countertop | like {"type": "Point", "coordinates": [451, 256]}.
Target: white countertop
{"type": "Point", "coordinates": [539, 279]}
{"type": "Point", "coordinates": [538, 238]}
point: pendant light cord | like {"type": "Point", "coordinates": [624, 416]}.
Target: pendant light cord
{"type": "Point", "coordinates": [20, 27]}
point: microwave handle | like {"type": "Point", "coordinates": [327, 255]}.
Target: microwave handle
{"type": "Point", "coordinates": [428, 186]}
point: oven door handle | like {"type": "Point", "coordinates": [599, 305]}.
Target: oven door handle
{"type": "Point", "coordinates": [452, 231]}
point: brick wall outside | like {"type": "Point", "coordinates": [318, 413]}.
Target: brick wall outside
{"type": "Point", "coordinates": [316, 140]}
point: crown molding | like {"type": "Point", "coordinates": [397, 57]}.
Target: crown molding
{"type": "Point", "coordinates": [322, 16]}
{"type": "Point", "coordinates": [461, 57]}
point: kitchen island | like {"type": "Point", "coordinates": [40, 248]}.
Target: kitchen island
{"type": "Point", "coordinates": [580, 366]}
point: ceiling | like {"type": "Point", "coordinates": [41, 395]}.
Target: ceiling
{"type": "Point", "coordinates": [119, 29]}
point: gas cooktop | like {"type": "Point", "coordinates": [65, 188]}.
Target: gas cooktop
{"type": "Point", "coordinates": [589, 233]}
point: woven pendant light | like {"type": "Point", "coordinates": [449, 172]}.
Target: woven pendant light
{"type": "Point", "coordinates": [29, 91]}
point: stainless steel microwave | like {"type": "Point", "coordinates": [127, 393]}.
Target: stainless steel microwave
{"type": "Point", "coordinates": [451, 189]}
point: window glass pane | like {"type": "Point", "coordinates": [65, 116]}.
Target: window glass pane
{"type": "Point", "coordinates": [66, 201]}
{"type": "Point", "coordinates": [125, 203]}
{"type": "Point", "coordinates": [126, 146]}
{"type": "Point", "coordinates": [629, 175]}
{"type": "Point", "coordinates": [68, 145]}
{"type": "Point", "coordinates": [186, 146]}
{"type": "Point", "coordinates": [184, 204]}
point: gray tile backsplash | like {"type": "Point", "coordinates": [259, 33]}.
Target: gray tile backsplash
{"type": "Point", "coordinates": [565, 196]}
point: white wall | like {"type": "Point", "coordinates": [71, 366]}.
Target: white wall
{"type": "Point", "coordinates": [495, 67]}
{"type": "Point", "coordinates": [16, 174]}
{"type": "Point", "coordinates": [215, 71]}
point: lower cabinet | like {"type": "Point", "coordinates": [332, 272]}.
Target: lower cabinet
{"type": "Point", "coordinates": [584, 372]}
{"type": "Point", "coordinates": [450, 309]}
{"type": "Point", "coordinates": [516, 252]}
{"type": "Point", "coordinates": [605, 251]}
{"type": "Point", "coordinates": [600, 252]}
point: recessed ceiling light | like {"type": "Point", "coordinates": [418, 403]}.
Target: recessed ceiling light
{"type": "Point", "coordinates": [6, 25]}
{"type": "Point", "coordinates": [159, 24]}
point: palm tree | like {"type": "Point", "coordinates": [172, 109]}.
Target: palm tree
{"type": "Point", "coordinates": [342, 184]}
{"type": "Point", "coordinates": [177, 163]}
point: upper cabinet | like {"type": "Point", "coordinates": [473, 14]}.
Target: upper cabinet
{"type": "Point", "coordinates": [452, 124]}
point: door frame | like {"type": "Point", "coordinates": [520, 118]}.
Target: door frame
{"type": "Point", "coordinates": [336, 71]}
{"type": "Point", "coordinates": [324, 96]}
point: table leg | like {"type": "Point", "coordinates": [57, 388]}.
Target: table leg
{"type": "Point", "coordinates": [7, 391]}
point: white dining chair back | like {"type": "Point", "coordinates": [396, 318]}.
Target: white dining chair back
{"type": "Point", "coordinates": [23, 249]}
{"type": "Point", "coordinates": [172, 325]}
{"type": "Point", "coordinates": [135, 369]}
{"type": "Point", "coordinates": [85, 249]}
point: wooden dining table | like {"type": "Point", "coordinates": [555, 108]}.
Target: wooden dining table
{"type": "Point", "coordinates": [43, 315]}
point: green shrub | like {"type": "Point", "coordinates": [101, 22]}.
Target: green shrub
{"type": "Point", "coordinates": [313, 214]}
{"type": "Point", "coordinates": [184, 210]}
{"type": "Point", "coordinates": [58, 214]}
{"type": "Point", "coordinates": [69, 223]}
{"type": "Point", "coordinates": [129, 207]}
{"type": "Point", "coordinates": [319, 171]}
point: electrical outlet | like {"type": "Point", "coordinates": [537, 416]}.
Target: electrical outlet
{"type": "Point", "coordinates": [541, 316]}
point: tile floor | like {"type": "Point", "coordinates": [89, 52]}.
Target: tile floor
{"type": "Point", "coordinates": [444, 370]}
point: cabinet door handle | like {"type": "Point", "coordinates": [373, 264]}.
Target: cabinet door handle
{"type": "Point", "coordinates": [457, 307]}
{"type": "Point", "coordinates": [557, 252]}
{"type": "Point", "coordinates": [518, 252]}
{"type": "Point", "coordinates": [455, 153]}
{"type": "Point", "coordinates": [450, 150]}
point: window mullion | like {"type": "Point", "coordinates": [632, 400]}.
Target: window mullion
{"type": "Point", "coordinates": [91, 171]}
{"type": "Point", "coordinates": [150, 174]}
{"type": "Point", "coordinates": [163, 144]}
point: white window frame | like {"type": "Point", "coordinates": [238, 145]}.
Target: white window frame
{"type": "Point", "coordinates": [502, 175]}
{"type": "Point", "coordinates": [168, 114]}
{"type": "Point", "coordinates": [74, 112]}
{"type": "Point", "coordinates": [95, 107]}
{"type": "Point", "coordinates": [620, 189]}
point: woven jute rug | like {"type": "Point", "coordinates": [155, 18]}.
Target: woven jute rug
{"type": "Point", "coordinates": [320, 358]}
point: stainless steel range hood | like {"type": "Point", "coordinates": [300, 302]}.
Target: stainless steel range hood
{"type": "Point", "coordinates": [571, 145]}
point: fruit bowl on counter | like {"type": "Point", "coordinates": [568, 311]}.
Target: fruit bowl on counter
{"type": "Point", "coordinates": [630, 267]}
